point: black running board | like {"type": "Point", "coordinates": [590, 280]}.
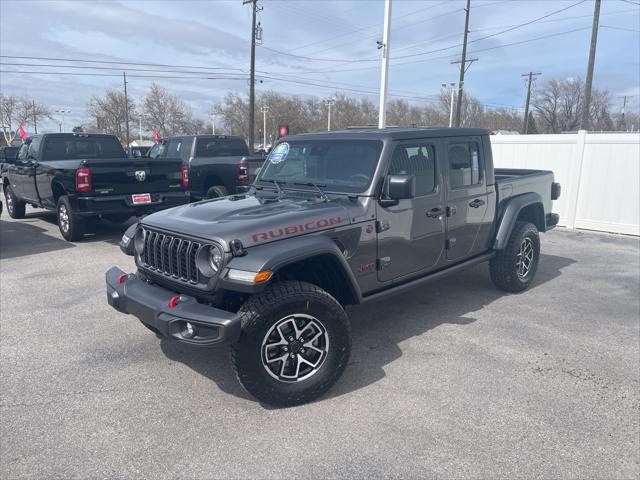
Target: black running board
{"type": "Point", "coordinates": [431, 277]}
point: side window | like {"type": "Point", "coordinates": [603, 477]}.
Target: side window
{"type": "Point", "coordinates": [417, 160]}
{"type": "Point", "coordinates": [174, 147]}
{"type": "Point", "coordinates": [22, 154]}
{"type": "Point", "coordinates": [158, 150]}
{"type": "Point", "coordinates": [465, 168]}
{"type": "Point", "coordinates": [34, 148]}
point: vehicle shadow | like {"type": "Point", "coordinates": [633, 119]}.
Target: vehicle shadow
{"type": "Point", "coordinates": [380, 328]}
{"type": "Point", "coordinates": [96, 230]}
{"type": "Point", "coordinates": [22, 238]}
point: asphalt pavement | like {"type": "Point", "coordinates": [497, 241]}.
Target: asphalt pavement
{"type": "Point", "coordinates": [453, 380]}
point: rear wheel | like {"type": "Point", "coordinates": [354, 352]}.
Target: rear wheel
{"type": "Point", "coordinates": [514, 268]}
{"type": "Point", "coordinates": [71, 226]}
{"type": "Point", "coordinates": [15, 206]}
{"type": "Point", "coordinates": [294, 345]}
{"type": "Point", "coordinates": [216, 191]}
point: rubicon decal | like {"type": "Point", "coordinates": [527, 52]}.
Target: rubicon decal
{"type": "Point", "coordinates": [296, 229]}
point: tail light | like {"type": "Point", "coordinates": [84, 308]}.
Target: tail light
{"type": "Point", "coordinates": [83, 179]}
{"type": "Point", "coordinates": [242, 175]}
{"type": "Point", "coordinates": [184, 179]}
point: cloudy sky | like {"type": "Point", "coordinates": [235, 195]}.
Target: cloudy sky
{"type": "Point", "coordinates": [200, 50]}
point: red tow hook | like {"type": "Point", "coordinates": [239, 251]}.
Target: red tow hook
{"type": "Point", "coordinates": [122, 277]}
{"type": "Point", "coordinates": [173, 301]}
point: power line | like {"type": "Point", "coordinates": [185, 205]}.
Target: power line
{"type": "Point", "coordinates": [621, 28]}
{"type": "Point", "coordinates": [629, 1]}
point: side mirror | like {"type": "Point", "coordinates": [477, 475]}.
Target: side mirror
{"type": "Point", "coordinates": [398, 187]}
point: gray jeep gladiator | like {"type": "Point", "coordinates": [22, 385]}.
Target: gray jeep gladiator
{"type": "Point", "coordinates": [332, 220]}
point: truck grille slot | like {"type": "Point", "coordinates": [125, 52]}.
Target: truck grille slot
{"type": "Point", "coordinates": [172, 256]}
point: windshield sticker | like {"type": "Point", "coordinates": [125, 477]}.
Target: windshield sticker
{"type": "Point", "coordinates": [279, 153]}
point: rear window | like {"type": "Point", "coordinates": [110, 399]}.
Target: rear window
{"type": "Point", "coordinates": [70, 148]}
{"type": "Point", "coordinates": [10, 153]}
{"type": "Point", "coordinates": [221, 147]}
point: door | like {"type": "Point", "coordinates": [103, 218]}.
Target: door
{"type": "Point", "coordinates": [467, 198]}
{"type": "Point", "coordinates": [411, 234]}
{"type": "Point", "coordinates": [22, 173]}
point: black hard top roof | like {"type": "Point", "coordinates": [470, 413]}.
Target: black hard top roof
{"type": "Point", "coordinates": [391, 133]}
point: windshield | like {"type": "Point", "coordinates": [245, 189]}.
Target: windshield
{"type": "Point", "coordinates": [337, 165]}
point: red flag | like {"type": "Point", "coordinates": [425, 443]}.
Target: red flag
{"type": "Point", "coordinates": [156, 137]}
{"type": "Point", "coordinates": [22, 133]}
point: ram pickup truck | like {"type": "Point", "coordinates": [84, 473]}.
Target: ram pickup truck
{"type": "Point", "coordinates": [332, 220]}
{"type": "Point", "coordinates": [217, 165]}
{"type": "Point", "coordinates": [83, 176]}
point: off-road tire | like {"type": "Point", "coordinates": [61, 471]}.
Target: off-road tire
{"type": "Point", "coordinates": [71, 226]}
{"type": "Point", "coordinates": [15, 206]}
{"type": "Point", "coordinates": [260, 313]}
{"type": "Point", "coordinates": [216, 191]}
{"type": "Point", "coordinates": [503, 267]}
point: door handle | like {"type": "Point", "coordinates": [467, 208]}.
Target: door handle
{"type": "Point", "coordinates": [435, 212]}
{"type": "Point", "coordinates": [476, 203]}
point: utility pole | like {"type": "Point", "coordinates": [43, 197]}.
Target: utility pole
{"type": "Point", "coordinates": [592, 61]}
{"type": "Point", "coordinates": [526, 105]}
{"type": "Point", "coordinates": [126, 106]}
{"type": "Point", "coordinates": [328, 102]}
{"type": "Point", "coordinates": [385, 47]}
{"type": "Point", "coordinates": [462, 64]}
{"type": "Point", "coordinates": [252, 74]}
{"type": "Point", "coordinates": [264, 111]}
{"type": "Point", "coordinates": [35, 119]}
{"type": "Point", "coordinates": [624, 107]}
{"type": "Point", "coordinates": [452, 87]}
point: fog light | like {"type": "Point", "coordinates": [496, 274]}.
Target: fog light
{"type": "Point", "coordinates": [188, 331]}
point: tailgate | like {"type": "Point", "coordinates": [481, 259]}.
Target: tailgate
{"type": "Point", "coordinates": [255, 164]}
{"type": "Point", "coordinates": [135, 175]}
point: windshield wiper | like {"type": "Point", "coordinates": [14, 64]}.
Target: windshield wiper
{"type": "Point", "coordinates": [280, 191]}
{"type": "Point", "coordinates": [317, 187]}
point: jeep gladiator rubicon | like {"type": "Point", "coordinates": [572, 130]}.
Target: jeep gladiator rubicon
{"type": "Point", "coordinates": [333, 219]}
{"type": "Point", "coordinates": [217, 165]}
{"type": "Point", "coordinates": [82, 175]}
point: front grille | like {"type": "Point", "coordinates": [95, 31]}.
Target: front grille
{"type": "Point", "coordinates": [171, 256]}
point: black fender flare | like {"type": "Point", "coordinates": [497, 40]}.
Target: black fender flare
{"type": "Point", "coordinates": [510, 215]}
{"type": "Point", "coordinates": [276, 255]}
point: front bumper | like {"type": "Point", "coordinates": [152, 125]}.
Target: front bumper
{"type": "Point", "coordinates": [150, 303]}
{"type": "Point", "coordinates": [119, 204]}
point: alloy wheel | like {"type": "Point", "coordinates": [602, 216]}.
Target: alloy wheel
{"type": "Point", "coordinates": [295, 348]}
{"type": "Point", "coordinates": [524, 259]}
{"type": "Point", "coordinates": [64, 218]}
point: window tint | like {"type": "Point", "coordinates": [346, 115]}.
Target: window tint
{"type": "Point", "coordinates": [221, 147]}
{"type": "Point", "coordinates": [417, 160]}
{"type": "Point", "coordinates": [69, 148]}
{"type": "Point", "coordinates": [34, 148]}
{"type": "Point", "coordinates": [174, 147]}
{"type": "Point", "coordinates": [22, 153]}
{"type": "Point", "coordinates": [158, 150]}
{"type": "Point", "coordinates": [464, 164]}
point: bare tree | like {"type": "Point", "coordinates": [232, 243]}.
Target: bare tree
{"type": "Point", "coordinates": [16, 111]}
{"type": "Point", "coordinates": [109, 113]}
{"type": "Point", "coordinates": [166, 112]}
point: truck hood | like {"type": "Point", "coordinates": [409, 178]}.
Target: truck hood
{"type": "Point", "coordinates": [252, 219]}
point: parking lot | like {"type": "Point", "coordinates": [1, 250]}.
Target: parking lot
{"type": "Point", "coordinates": [456, 379]}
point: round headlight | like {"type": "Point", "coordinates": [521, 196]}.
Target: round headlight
{"type": "Point", "coordinates": [215, 258]}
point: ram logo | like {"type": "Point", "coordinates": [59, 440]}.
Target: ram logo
{"type": "Point", "coordinates": [140, 175]}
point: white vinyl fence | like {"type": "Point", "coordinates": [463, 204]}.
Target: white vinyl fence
{"type": "Point", "coordinates": [599, 173]}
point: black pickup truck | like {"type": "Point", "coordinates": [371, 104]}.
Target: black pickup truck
{"type": "Point", "coordinates": [218, 165]}
{"type": "Point", "coordinates": [82, 175]}
{"type": "Point", "coordinates": [333, 220]}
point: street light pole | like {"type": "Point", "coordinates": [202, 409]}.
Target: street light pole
{"type": "Point", "coordinates": [328, 102]}
{"type": "Point", "coordinates": [452, 86]}
{"type": "Point", "coordinates": [264, 111]}
{"type": "Point", "coordinates": [382, 116]}
{"type": "Point", "coordinates": [62, 112]}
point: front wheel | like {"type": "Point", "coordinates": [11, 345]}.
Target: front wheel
{"type": "Point", "coordinates": [514, 268]}
{"type": "Point", "coordinates": [71, 226]}
{"type": "Point", "coordinates": [15, 206]}
{"type": "Point", "coordinates": [294, 345]}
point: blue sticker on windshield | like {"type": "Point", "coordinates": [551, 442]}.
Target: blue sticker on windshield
{"type": "Point", "coordinates": [279, 153]}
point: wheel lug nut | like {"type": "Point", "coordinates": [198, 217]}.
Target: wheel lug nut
{"type": "Point", "coordinates": [291, 339]}
{"type": "Point", "coordinates": [285, 348]}
{"type": "Point", "coordinates": [292, 355]}
{"type": "Point", "coordinates": [302, 350]}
